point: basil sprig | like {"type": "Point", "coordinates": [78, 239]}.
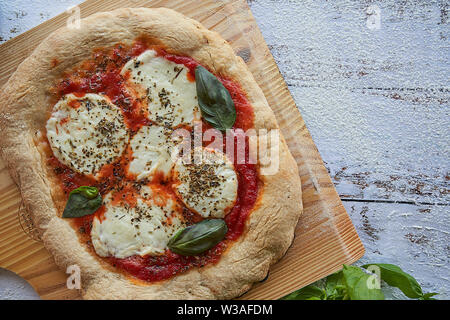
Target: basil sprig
{"type": "Point", "coordinates": [356, 281]}
{"type": "Point", "coordinates": [351, 283]}
{"type": "Point", "coordinates": [82, 201]}
{"type": "Point", "coordinates": [215, 101]}
{"type": "Point", "coordinates": [396, 277]}
{"type": "Point", "coordinates": [198, 238]}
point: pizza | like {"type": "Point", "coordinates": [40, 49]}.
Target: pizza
{"type": "Point", "coordinates": [140, 143]}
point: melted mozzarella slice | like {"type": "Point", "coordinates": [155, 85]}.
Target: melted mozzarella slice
{"type": "Point", "coordinates": [152, 148]}
{"type": "Point", "coordinates": [171, 97]}
{"type": "Point", "coordinates": [142, 229]}
{"type": "Point", "coordinates": [208, 185]}
{"type": "Point", "coordinates": [86, 133]}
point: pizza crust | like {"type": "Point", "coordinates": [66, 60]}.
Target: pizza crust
{"type": "Point", "coordinates": [25, 104]}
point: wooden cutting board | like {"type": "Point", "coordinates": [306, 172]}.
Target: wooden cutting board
{"type": "Point", "coordinates": [325, 236]}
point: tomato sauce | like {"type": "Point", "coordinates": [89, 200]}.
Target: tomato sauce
{"type": "Point", "coordinates": [102, 75]}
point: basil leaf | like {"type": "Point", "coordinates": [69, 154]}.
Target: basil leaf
{"type": "Point", "coordinates": [335, 286]}
{"type": "Point", "coordinates": [214, 100]}
{"type": "Point", "coordinates": [310, 292]}
{"type": "Point", "coordinates": [351, 283]}
{"type": "Point", "coordinates": [428, 296]}
{"type": "Point", "coordinates": [356, 281]}
{"type": "Point", "coordinates": [82, 201]}
{"type": "Point", "coordinates": [88, 192]}
{"type": "Point", "coordinates": [396, 277]}
{"type": "Point", "coordinates": [334, 280]}
{"type": "Point", "coordinates": [198, 238]}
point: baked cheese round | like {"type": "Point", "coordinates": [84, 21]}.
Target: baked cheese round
{"type": "Point", "coordinates": [152, 147]}
{"type": "Point", "coordinates": [143, 228]}
{"type": "Point", "coordinates": [170, 96]}
{"type": "Point", "coordinates": [86, 132]}
{"type": "Point", "coordinates": [207, 185]}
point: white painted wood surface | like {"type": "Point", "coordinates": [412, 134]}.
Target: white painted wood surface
{"type": "Point", "coordinates": [375, 97]}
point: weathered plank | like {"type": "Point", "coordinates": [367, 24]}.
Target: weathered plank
{"type": "Point", "coordinates": [376, 100]}
{"type": "Point", "coordinates": [415, 237]}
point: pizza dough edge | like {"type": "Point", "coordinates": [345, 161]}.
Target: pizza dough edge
{"type": "Point", "coordinates": [23, 111]}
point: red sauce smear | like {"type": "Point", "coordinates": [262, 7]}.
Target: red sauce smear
{"type": "Point", "coordinates": [102, 75]}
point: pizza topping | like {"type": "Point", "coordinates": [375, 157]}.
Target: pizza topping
{"type": "Point", "coordinates": [82, 201]}
{"type": "Point", "coordinates": [214, 99]}
{"type": "Point", "coordinates": [170, 96]}
{"type": "Point", "coordinates": [142, 226]}
{"type": "Point", "coordinates": [86, 132]}
{"type": "Point", "coordinates": [207, 184]}
{"type": "Point", "coordinates": [143, 189]}
{"type": "Point", "coordinates": [198, 238]}
{"type": "Point", "coordinates": [152, 147]}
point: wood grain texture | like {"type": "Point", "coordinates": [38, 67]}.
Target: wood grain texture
{"type": "Point", "coordinates": [325, 236]}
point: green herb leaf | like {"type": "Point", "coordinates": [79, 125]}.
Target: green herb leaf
{"type": "Point", "coordinates": [215, 101]}
{"type": "Point", "coordinates": [82, 201]}
{"type": "Point", "coordinates": [198, 238]}
{"type": "Point", "coordinates": [352, 283]}
{"type": "Point", "coordinates": [335, 286]}
{"type": "Point", "coordinates": [333, 280]}
{"type": "Point", "coordinates": [428, 296]}
{"type": "Point", "coordinates": [356, 281]}
{"type": "Point", "coordinates": [88, 192]}
{"type": "Point", "coordinates": [396, 277]}
{"type": "Point", "coordinates": [310, 292]}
